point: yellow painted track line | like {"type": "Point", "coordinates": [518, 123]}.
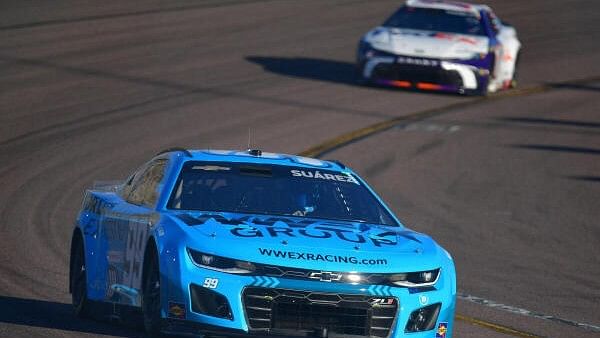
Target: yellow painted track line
{"type": "Point", "coordinates": [495, 327]}
{"type": "Point", "coordinates": [355, 135]}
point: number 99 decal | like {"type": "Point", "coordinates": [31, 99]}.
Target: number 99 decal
{"type": "Point", "coordinates": [210, 283]}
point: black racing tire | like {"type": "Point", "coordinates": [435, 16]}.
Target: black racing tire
{"type": "Point", "coordinates": [514, 81]}
{"type": "Point", "coordinates": [359, 78]}
{"type": "Point", "coordinates": [479, 92]}
{"type": "Point", "coordinates": [483, 92]}
{"type": "Point", "coordinates": [151, 304]}
{"type": "Point", "coordinates": [78, 279]}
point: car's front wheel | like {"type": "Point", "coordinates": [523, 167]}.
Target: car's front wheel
{"type": "Point", "coordinates": [359, 77]}
{"type": "Point", "coordinates": [78, 279]}
{"type": "Point", "coordinates": [151, 297]}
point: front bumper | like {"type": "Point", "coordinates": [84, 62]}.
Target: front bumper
{"type": "Point", "coordinates": [273, 306]}
{"type": "Point", "coordinates": [460, 76]}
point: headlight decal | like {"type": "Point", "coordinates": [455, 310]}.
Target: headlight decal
{"type": "Point", "coordinates": [416, 279]}
{"type": "Point", "coordinates": [221, 264]}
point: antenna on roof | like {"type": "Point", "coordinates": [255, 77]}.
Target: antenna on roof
{"type": "Point", "coordinates": [249, 138]}
{"type": "Point", "coordinates": [251, 150]}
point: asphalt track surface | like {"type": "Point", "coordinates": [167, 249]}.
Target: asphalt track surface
{"type": "Point", "coordinates": [510, 184]}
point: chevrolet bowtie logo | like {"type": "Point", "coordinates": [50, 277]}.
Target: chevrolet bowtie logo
{"type": "Point", "coordinates": [325, 276]}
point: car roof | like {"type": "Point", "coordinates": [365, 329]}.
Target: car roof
{"type": "Point", "coordinates": [449, 5]}
{"type": "Point", "coordinates": [256, 156]}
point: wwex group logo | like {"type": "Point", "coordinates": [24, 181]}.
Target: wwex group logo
{"type": "Point", "coordinates": [252, 226]}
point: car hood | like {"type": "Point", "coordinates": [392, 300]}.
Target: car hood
{"type": "Point", "coordinates": [427, 44]}
{"type": "Point", "coordinates": [309, 243]}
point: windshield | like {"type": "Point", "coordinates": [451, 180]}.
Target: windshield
{"type": "Point", "coordinates": [438, 20]}
{"type": "Point", "coordinates": [276, 190]}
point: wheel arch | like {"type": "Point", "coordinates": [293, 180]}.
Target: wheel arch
{"type": "Point", "coordinates": [151, 248]}
{"type": "Point", "coordinates": [513, 47]}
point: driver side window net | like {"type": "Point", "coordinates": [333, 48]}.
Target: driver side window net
{"type": "Point", "coordinates": [144, 187]}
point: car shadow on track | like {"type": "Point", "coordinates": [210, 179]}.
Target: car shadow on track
{"type": "Point", "coordinates": [565, 149]}
{"type": "Point", "coordinates": [591, 179]}
{"type": "Point", "coordinates": [309, 68]}
{"type": "Point", "coordinates": [575, 86]}
{"type": "Point", "coordinates": [332, 71]}
{"type": "Point", "coordinates": [60, 316]}
{"type": "Point", "coordinates": [54, 315]}
{"type": "Point", "coordinates": [550, 122]}
{"type": "Point", "coordinates": [558, 148]}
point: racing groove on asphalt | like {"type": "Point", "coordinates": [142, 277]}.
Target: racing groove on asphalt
{"type": "Point", "coordinates": [509, 186]}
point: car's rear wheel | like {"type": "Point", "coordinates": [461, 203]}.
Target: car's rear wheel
{"type": "Point", "coordinates": [151, 305]}
{"type": "Point", "coordinates": [513, 81]}
{"type": "Point", "coordinates": [78, 279]}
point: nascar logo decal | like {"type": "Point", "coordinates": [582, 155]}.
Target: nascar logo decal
{"type": "Point", "coordinates": [177, 310]}
{"type": "Point", "coordinates": [441, 330]}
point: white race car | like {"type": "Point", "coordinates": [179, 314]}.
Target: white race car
{"type": "Point", "coordinates": [441, 45]}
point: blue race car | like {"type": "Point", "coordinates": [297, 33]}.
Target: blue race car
{"type": "Point", "coordinates": [246, 242]}
{"type": "Point", "coordinates": [441, 45]}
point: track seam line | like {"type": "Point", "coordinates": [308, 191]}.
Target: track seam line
{"type": "Point", "coordinates": [520, 311]}
{"type": "Point", "coordinates": [53, 22]}
{"type": "Point", "coordinates": [370, 130]}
